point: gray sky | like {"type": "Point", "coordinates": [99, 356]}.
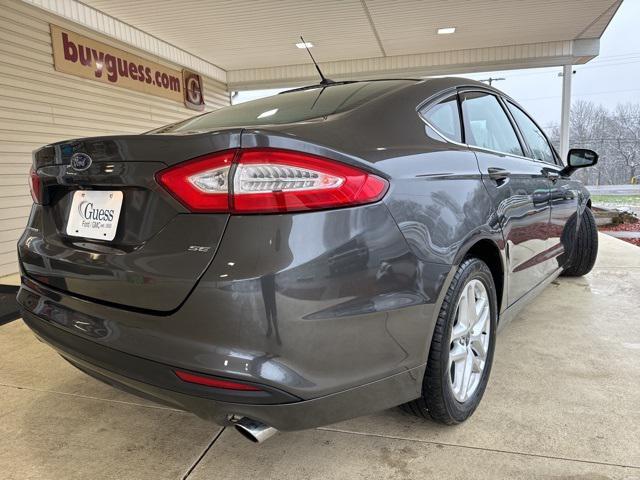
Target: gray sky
{"type": "Point", "coordinates": [613, 77]}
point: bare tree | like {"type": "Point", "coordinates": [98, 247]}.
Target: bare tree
{"type": "Point", "coordinates": [615, 135]}
{"type": "Point", "coordinates": [625, 133]}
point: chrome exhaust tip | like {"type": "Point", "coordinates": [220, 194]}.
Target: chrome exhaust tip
{"type": "Point", "coordinates": [253, 430]}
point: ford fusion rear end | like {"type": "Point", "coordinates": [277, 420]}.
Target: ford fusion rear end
{"type": "Point", "coordinates": [267, 282]}
{"type": "Point", "coordinates": [298, 260]}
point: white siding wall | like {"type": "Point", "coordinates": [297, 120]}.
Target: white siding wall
{"type": "Point", "coordinates": [39, 105]}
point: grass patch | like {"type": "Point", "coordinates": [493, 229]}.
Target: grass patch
{"type": "Point", "coordinates": [624, 200]}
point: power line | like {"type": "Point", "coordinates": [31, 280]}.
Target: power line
{"type": "Point", "coordinates": [581, 94]}
{"type": "Point", "coordinates": [579, 68]}
{"type": "Point", "coordinates": [619, 55]}
{"type": "Point", "coordinates": [612, 64]}
{"type": "Point", "coordinates": [599, 62]}
{"type": "Point", "coordinates": [596, 140]}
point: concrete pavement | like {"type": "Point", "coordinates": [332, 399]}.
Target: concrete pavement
{"type": "Point", "coordinates": [563, 402]}
{"type": "Point", "coordinates": [623, 234]}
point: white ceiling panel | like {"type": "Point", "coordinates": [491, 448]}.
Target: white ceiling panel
{"type": "Point", "coordinates": [410, 26]}
{"type": "Point", "coordinates": [243, 34]}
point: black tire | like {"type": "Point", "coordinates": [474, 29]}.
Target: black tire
{"type": "Point", "coordinates": [437, 400]}
{"type": "Point", "coordinates": [584, 247]}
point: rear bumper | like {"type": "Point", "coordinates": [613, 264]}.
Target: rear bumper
{"type": "Point", "coordinates": [310, 304]}
{"type": "Point", "coordinates": [324, 310]}
{"type": "Point", "coordinates": [120, 369]}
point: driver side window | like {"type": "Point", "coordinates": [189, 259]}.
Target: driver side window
{"type": "Point", "coordinates": [538, 144]}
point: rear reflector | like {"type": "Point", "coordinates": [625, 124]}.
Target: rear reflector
{"type": "Point", "coordinates": [214, 382]}
{"type": "Point", "coordinates": [268, 181]}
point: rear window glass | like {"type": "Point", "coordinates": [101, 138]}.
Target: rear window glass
{"type": "Point", "coordinates": [445, 118]}
{"type": "Point", "coordinates": [288, 107]}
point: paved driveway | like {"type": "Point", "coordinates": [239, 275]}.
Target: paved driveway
{"type": "Point", "coordinates": [563, 402]}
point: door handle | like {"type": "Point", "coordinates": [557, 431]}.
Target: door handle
{"type": "Point", "coordinates": [497, 173]}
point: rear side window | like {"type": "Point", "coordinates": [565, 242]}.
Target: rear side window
{"type": "Point", "coordinates": [538, 144]}
{"type": "Point", "coordinates": [486, 124]}
{"type": "Point", "coordinates": [445, 118]}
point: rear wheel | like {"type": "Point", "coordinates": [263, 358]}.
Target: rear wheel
{"type": "Point", "coordinates": [462, 347]}
{"type": "Point", "coordinates": [584, 248]}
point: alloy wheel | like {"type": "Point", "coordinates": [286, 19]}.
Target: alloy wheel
{"type": "Point", "coordinates": [469, 340]}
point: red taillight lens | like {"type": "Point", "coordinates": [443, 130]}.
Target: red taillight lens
{"type": "Point", "coordinates": [214, 382]}
{"type": "Point", "coordinates": [286, 181]}
{"type": "Point", "coordinates": [35, 185]}
{"type": "Point", "coordinates": [202, 185]}
{"type": "Point", "coordinates": [269, 181]}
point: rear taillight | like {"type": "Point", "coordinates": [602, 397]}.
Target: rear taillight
{"type": "Point", "coordinates": [268, 181]}
{"type": "Point", "coordinates": [202, 185]}
{"type": "Point", "coordinates": [35, 185]}
{"type": "Point", "coordinates": [285, 181]}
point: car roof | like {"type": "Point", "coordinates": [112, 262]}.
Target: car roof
{"type": "Point", "coordinates": [320, 101]}
{"type": "Point", "coordinates": [431, 83]}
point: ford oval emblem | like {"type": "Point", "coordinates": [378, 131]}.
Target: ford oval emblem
{"type": "Point", "coordinates": [80, 161]}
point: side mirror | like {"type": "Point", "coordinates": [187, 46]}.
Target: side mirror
{"type": "Point", "coordinates": [579, 158]}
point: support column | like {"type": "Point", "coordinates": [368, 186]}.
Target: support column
{"type": "Point", "coordinates": [566, 108]}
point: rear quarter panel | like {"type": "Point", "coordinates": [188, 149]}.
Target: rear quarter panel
{"type": "Point", "coordinates": [436, 193]}
{"type": "Point", "coordinates": [436, 196]}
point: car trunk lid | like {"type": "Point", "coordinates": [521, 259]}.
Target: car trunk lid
{"type": "Point", "coordinates": [159, 249]}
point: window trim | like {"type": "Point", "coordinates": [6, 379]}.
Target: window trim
{"type": "Point", "coordinates": [557, 161]}
{"type": "Point", "coordinates": [502, 99]}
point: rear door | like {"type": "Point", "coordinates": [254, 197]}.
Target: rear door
{"type": "Point", "coordinates": [155, 251]}
{"type": "Point", "coordinates": [564, 191]}
{"type": "Point", "coordinates": [518, 186]}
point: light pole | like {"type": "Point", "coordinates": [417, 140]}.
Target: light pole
{"type": "Point", "coordinates": [490, 80]}
{"type": "Point", "coordinates": [567, 73]}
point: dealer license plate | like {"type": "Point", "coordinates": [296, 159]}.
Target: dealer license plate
{"type": "Point", "coordinates": [94, 214]}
